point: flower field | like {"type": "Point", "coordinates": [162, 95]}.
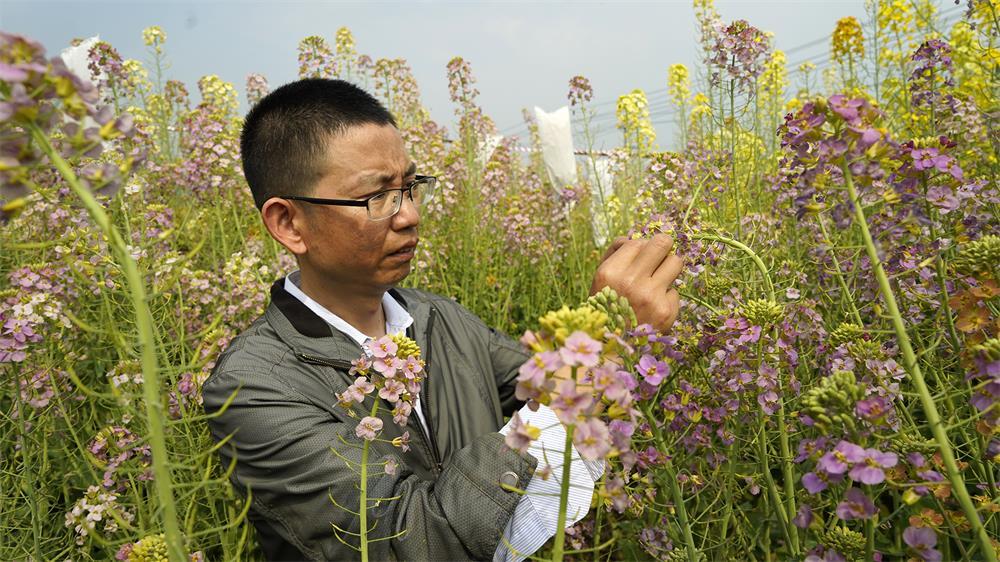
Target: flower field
{"type": "Point", "coordinates": [829, 392]}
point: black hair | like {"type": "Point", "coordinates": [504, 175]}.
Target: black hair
{"type": "Point", "coordinates": [285, 135]}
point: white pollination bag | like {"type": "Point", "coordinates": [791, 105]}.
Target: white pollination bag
{"type": "Point", "coordinates": [601, 187]}
{"type": "Point", "coordinates": [556, 136]}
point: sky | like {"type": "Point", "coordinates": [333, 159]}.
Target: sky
{"type": "Point", "coordinates": [522, 53]}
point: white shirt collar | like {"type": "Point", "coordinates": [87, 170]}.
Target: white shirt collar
{"type": "Point", "coordinates": [397, 319]}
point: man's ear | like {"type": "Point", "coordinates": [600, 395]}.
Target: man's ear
{"type": "Point", "coordinates": [285, 223]}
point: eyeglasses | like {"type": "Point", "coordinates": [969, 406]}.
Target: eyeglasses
{"type": "Point", "coordinates": [383, 204]}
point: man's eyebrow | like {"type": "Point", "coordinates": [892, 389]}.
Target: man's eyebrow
{"type": "Point", "coordinates": [378, 180]}
{"type": "Point", "coordinates": [372, 183]}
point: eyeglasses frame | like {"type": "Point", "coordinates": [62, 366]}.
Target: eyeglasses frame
{"type": "Point", "coordinates": [408, 188]}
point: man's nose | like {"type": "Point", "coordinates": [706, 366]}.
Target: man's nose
{"type": "Point", "coordinates": [408, 215]}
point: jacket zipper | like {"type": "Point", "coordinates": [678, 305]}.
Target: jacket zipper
{"type": "Point", "coordinates": [425, 395]}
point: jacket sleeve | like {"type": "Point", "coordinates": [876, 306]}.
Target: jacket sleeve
{"type": "Point", "coordinates": [281, 442]}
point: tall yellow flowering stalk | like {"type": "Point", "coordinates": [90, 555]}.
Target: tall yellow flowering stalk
{"type": "Point", "coordinates": [634, 122]}
{"type": "Point", "coordinates": [679, 89]}
{"type": "Point", "coordinates": [848, 49]}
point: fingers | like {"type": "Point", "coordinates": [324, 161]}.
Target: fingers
{"type": "Point", "coordinates": [617, 243]}
{"type": "Point", "coordinates": [669, 270]}
{"type": "Point", "coordinates": [652, 255]}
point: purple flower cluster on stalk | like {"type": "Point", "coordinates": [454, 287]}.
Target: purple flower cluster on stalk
{"type": "Point", "coordinates": [46, 94]}
{"type": "Point", "coordinates": [866, 466]}
{"type": "Point", "coordinates": [737, 53]}
{"type": "Point", "coordinates": [580, 90]}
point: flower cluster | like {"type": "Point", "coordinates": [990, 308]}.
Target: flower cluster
{"type": "Point", "coordinates": [392, 366]}
{"type": "Point", "coordinates": [36, 94]}
{"type": "Point", "coordinates": [256, 88]}
{"type": "Point", "coordinates": [678, 84]}
{"type": "Point", "coordinates": [578, 370]}
{"type": "Point", "coordinates": [316, 59]}
{"type": "Point", "coordinates": [580, 91]}
{"type": "Point", "coordinates": [848, 42]}
{"type": "Point", "coordinates": [860, 464]}
{"type": "Point", "coordinates": [97, 507]}
{"type": "Point", "coordinates": [115, 445]}
{"type": "Point", "coordinates": [737, 53]}
{"type": "Point", "coordinates": [632, 112]}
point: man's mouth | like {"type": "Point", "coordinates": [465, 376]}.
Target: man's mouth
{"type": "Point", "coordinates": [406, 251]}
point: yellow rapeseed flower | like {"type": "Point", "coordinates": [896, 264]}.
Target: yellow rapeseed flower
{"type": "Point", "coordinates": [344, 42]}
{"type": "Point", "coordinates": [848, 41]}
{"type": "Point", "coordinates": [678, 84]}
{"type": "Point", "coordinates": [633, 120]}
{"type": "Point", "coordinates": [153, 36]}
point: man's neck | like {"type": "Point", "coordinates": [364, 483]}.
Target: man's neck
{"type": "Point", "coordinates": [361, 309]}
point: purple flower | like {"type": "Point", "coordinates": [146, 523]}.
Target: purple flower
{"type": "Point", "coordinates": [869, 469]}
{"type": "Point", "coordinates": [804, 517]}
{"type": "Point", "coordinates": [846, 108]}
{"type": "Point", "coordinates": [923, 540]}
{"type": "Point", "coordinates": [856, 505]}
{"type": "Point", "coordinates": [580, 349]}
{"type": "Point", "coordinates": [652, 370]}
{"type": "Point", "coordinates": [539, 365]}
{"type": "Point", "coordinates": [813, 483]}
{"type": "Point", "coordinates": [839, 459]}
{"type": "Point", "coordinates": [927, 158]}
{"type": "Point", "coordinates": [368, 428]}
{"type": "Point", "coordinates": [592, 439]}
{"type": "Point", "coordinates": [943, 198]}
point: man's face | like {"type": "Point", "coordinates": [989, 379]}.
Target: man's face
{"type": "Point", "coordinates": [344, 247]}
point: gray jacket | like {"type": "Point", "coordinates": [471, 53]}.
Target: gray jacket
{"type": "Point", "coordinates": [279, 379]}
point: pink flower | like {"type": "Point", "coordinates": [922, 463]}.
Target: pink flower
{"type": "Point", "coordinates": [391, 466]}
{"type": "Point", "coordinates": [580, 349]}
{"type": "Point", "coordinates": [360, 365]}
{"type": "Point", "coordinates": [539, 365]}
{"type": "Point", "coordinates": [570, 403]}
{"type": "Point", "coordinates": [521, 434]}
{"type": "Point", "coordinates": [368, 428]}
{"type": "Point", "coordinates": [401, 413]}
{"type": "Point", "coordinates": [403, 441]}
{"type": "Point", "coordinates": [392, 390]}
{"type": "Point", "coordinates": [382, 347]}
{"type": "Point", "coordinates": [592, 439]}
{"type": "Point", "coordinates": [388, 366]}
{"type": "Point", "coordinates": [412, 368]}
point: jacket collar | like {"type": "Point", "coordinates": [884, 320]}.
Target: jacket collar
{"type": "Point", "coordinates": [306, 333]}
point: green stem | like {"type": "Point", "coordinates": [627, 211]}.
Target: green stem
{"type": "Point", "coordinates": [779, 508]}
{"type": "Point", "coordinates": [786, 471]}
{"type": "Point", "coordinates": [29, 471]}
{"type": "Point", "coordinates": [746, 250]}
{"type": "Point", "coordinates": [363, 504]}
{"type": "Point", "coordinates": [147, 350]}
{"type": "Point", "coordinates": [840, 272]}
{"type": "Point", "coordinates": [675, 489]}
{"type": "Point", "coordinates": [913, 368]}
{"type": "Point", "coordinates": [557, 548]}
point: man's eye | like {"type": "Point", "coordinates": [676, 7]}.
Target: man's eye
{"type": "Point", "coordinates": [378, 198]}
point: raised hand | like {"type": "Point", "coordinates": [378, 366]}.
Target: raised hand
{"type": "Point", "coordinates": [643, 270]}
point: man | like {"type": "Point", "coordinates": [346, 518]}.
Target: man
{"type": "Point", "coordinates": [335, 186]}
